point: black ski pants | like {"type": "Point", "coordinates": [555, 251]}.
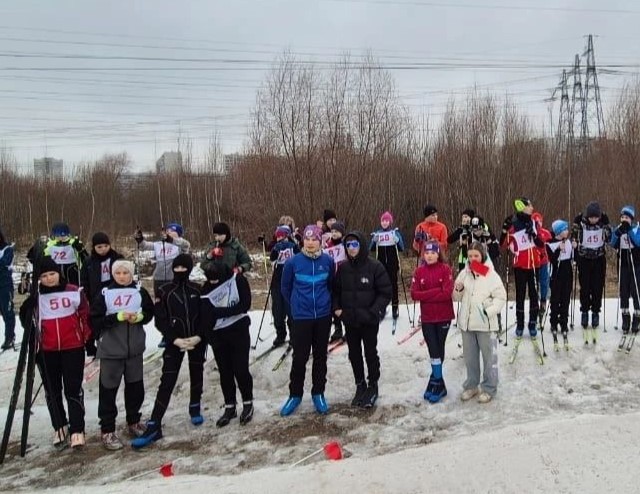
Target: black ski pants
{"type": "Point", "coordinates": [435, 334]}
{"type": "Point", "coordinates": [63, 371]}
{"type": "Point", "coordinates": [309, 335]}
{"type": "Point", "coordinates": [367, 337]}
{"type": "Point", "coordinates": [591, 273]}
{"type": "Point", "coordinates": [525, 282]}
{"type": "Point", "coordinates": [629, 284]}
{"type": "Point", "coordinates": [231, 350]}
{"type": "Point", "coordinates": [281, 319]}
{"type": "Point", "coordinates": [561, 287]}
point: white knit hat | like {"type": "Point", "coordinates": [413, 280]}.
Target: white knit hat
{"type": "Point", "coordinates": [121, 263]}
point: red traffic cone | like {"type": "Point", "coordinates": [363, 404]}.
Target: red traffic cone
{"type": "Point", "coordinates": [333, 451]}
{"type": "Point", "coordinates": [166, 470]}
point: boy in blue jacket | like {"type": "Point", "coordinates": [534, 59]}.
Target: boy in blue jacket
{"type": "Point", "coordinates": [306, 287]}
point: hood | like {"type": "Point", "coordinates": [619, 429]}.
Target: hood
{"type": "Point", "coordinates": [363, 253]}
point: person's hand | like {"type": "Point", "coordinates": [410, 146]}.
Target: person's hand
{"type": "Point", "coordinates": [181, 343]}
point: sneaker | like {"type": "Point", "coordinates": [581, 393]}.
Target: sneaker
{"type": "Point", "coordinates": [194, 413]}
{"type": "Point", "coordinates": [60, 437]}
{"type": "Point", "coordinates": [136, 430]}
{"type": "Point", "coordinates": [595, 320]}
{"type": "Point", "coordinates": [584, 320]}
{"type": "Point", "coordinates": [152, 433]}
{"type": "Point", "coordinates": [229, 413]}
{"type": "Point", "coordinates": [247, 413]}
{"type": "Point", "coordinates": [290, 405]}
{"type": "Point", "coordinates": [370, 396]}
{"type": "Point", "coordinates": [320, 403]}
{"type": "Point", "coordinates": [77, 440]}
{"type": "Point", "coordinates": [484, 397]}
{"type": "Point", "coordinates": [467, 394]}
{"type": "Point", "coordinates": [8, 343]}
{"type": "Point", "coordinates": [111, 441]}
{"type": "Point", "coordinates": [361, 389]}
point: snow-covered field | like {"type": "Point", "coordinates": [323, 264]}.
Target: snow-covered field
{"type": "Point", "coordinates": [570, 425]}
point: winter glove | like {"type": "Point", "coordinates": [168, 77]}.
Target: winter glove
{"type": "Point", "coordinates": [506, 224]}
{"type": "Point", "coordinates": [181, 343]}
{"type": "Point", "coordinates": [420, 236]}
{"type": "Point", "coordinates": [138, 237]}
{"type": "Point", "coordinates": [215, 253]}
{"type": "Point", "coordinates": [121, 316]}
{"type": "Point", "coordinates": [138, 319]}
{"type": "Point", "coordinates": [623, 228]}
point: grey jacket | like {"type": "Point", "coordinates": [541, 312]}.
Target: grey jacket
{"type": "Point", "coordinates": [164, 270]}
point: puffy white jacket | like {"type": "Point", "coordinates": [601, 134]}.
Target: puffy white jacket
{"type": "Point", "coordinates": [481, 300]}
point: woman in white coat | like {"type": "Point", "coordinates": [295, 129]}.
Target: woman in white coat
{"type": "Point", "coordinates": [482, 296]}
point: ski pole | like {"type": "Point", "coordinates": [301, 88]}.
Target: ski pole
{"type": "Point", "coordinates": [618, 306]}
{"type": "Point", "coordinates": [574, 265]}
{"type": "Point", "coordinates": [506, 318]}
{"type": "Point", "coordinates": [404, 287]}
{"type": "Point", "coordinates": [266, 303]}
{"type": "Point", "coordinates": [35, 397]}
{"type": "Point", "coordinates": [604, 297]}
{"type": "Point", "coordinates": [28, 402]}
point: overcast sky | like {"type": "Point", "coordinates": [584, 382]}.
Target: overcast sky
{"type": "Point", "coordinates": [80, 79]}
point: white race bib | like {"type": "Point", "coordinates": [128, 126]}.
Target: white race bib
{"type": "Point", "coordinates": [105, 271]}
{"type": "Point", "coordinates": [336, 253]}
{"type": "Point", "coordinates": [226, 295]}
{"type": "Point", "coordinates": [593, 239]}
{"type": "Point", "coordinates": [523, 240]}
{"type": "Point", "coordinates": [57, 305]}
{"type": "Point", "coordinates": [624, 241]}
{"type": "Point", "coordinates": [284, 255]}
{"type": "Point", "coordinates": [165, 250]}
{"type": "Point", "coordinates": [122, 300]}
{"type": "Point", "coordinates": [386, 239]}
{"type": "Point", "coordinates": [63, 254]}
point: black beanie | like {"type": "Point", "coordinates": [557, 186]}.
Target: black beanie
{"type": "Point", "coordinates": [469, 212]}
{"type": "Point", "coordinates": [100, 238]}
{"type": "Point", "coordinates": [429, 209]}
{"type": "Point", "coordinates": [217, 271]}
{"type": "Point", "coordinates": [593, 210]}
{"type": "Point", "coordinates": [222, 229]}
{"type": "Point", "coordinates": [184, 260]}
{"type": "Point", "coordinates": [328, 214]}
{"type": "Point", "coordinates": [339, 226]}
{"type": "Point", "coordinates": [47, 265]}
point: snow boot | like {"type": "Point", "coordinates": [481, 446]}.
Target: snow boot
{"type": "Point", "coordinates": [150, 436]}
{"type": "Point", "coordinates": [584, 320]}
{"type": "Point", "coordinates": [395, 312]}
{"type": "Point", "coordinates": [320, 403]}
{"type": "Point", "coordinates": [247, 412]}
{"type": "Point", "coordinates": [361, 389]}
{"type": "Point", "coordinates": [229, 413]}
{"type": "Point", "coordinates": [370, 396]}
{"type": "Point", "coordinates": [439, 391]}
{"type": "Point", "coordinates": [626, 321]}
{"type": "Point", "coordinates": [8, 343]}
{"type": "Point", "coordinates": [290, 405]}
{"type": "Point", "coordinates": [635, 324]}
{"type": "Point", "coordinates": [533, 328]}
{"type": "Point", "coordinates": [194, 413]}
{"type": "Point", "coordinates": [595, 320]}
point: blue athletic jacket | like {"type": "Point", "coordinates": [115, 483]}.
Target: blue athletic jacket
{"type": "Point", "coordinates": [306, 286]}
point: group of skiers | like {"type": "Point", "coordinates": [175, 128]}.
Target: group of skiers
{"type": "Point", "coordinates": [323, 275]}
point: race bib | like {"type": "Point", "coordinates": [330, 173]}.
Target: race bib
{"type": "Point", "coordinates": [57, 305]}
{"type": "Point", "coordinates": [523, 241]}
{"type": "Point", "coordinates": [593, 239]}
{"type": "Point", "coordinates": [386, 239]}
{"type": "Point", "coordinates": [122, 300]}
{"type": "Point", "coordinates": [336, 253]}
{"type": "Point", "coordinates": [284, 255]}
{"type": "Point", "coordinates": [105, 271]}
{"type": "Point", "coordinates": [165, 250]}
{"type": "Point", "coordinates": [625, 243]}
{"type": "Point", "coordinates": [63, 254]}
{"type": "Point", "coordinates": [226, 295]}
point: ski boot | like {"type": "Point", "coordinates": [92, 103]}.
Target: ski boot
{"type": "Point", "coordinates": [595, 320]}
{"type": "Point", "coordinates": [8, 343]}
{"type": "Point", "coordinates": [194, 413]}
{"type": "Point", "coordinates": [635, 323]}
{"type": "Point", "coordinates": [229, 413]}
{"type": "Point", "coordinates": [439, 391]}
{"type": "Point", "coordinates": [584, 320]}
{"type": "Point", "coordinates": [150, 436]}
{"type": "Point", "coordinates": [565, 336]}
{"type": "Point", "coordinates": [247, 412]}
{"type": "Point", "coordinates": [556, 345]}
{"type": "Point", "coordinates": [320, 403]}
{"type": "Point", "coordinates": [290, 406]}
{"type": "Point", "coordinates": [370, 396]}
{"type": "Point", "coordinates": [361, 389]}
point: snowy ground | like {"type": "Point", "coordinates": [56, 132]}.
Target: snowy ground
{"type": "Point", "coordinates": [570, 425]}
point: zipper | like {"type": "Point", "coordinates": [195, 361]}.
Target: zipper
{"type": "Point", "coordinates": [186, 306]}
{"type": "Point", "coordinates": [58, 333]}
{"type": "Point", "coordinates": [313, 287]}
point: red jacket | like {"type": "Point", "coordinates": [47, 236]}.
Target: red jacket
{"type": "Point", "coordinates": [427, 230]}
{"type": "Point", "coordinates": [542, 258]}
{"type": "Point", "coordinates": [432, 286]}
{"type": "Point", "coordinates": [69, 331]}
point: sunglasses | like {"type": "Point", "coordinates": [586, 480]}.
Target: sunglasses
{"type": "Point", "coordinates": [352, 244]}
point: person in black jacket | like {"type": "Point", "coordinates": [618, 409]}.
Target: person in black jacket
{"type": "Point", "coordinates": [281, 250]}
{"type": "Point", "coordinates": [225, 324]}
{"type": "Point", "coordinates": [177, 314]}
{"type": "Point", "coordinates": [361, 293]}
{"type": "Point", "coordinates": [96, 274]}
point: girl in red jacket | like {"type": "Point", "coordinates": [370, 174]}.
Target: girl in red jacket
{"type": "Point", "coordinates": [432, 286]}
{"type": "Point", "coordinates": [58, 313]}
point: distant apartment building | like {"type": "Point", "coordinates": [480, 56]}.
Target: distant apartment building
{"type": "Point", "coordinates": [170, 161]}
{"type": "Point", "coordinates": [48, 168]}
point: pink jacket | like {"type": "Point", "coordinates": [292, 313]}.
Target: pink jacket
{"type": "Point", "coordinates": [432, 286]}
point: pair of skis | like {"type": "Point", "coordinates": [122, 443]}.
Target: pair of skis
{"type": "Point", "coordinates": [626, 345]}
{"type": "Point", "coordinates": [536, 348]}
